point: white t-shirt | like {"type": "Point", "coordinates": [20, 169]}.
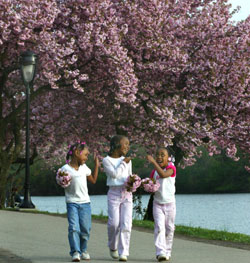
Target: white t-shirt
{"type": "Point", "coordinates": [117, 170]}
{"type": "Point", "coordinates": [166, 192]}
{"type": "Point", "coordinates": [77, 191]}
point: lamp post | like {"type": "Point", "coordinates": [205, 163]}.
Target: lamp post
{"type": "Point", "coordinates": [28, 69]}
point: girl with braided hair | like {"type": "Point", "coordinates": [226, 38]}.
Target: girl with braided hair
{"type": "Point", "coordinates": [77, 199]}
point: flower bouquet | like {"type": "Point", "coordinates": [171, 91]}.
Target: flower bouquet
{"type": "Point", "coordinates": [132, 183]}
{"type": "Point", "coordinates": [63, 178]}
{"type": "Point", "coordinates": [150, 185]}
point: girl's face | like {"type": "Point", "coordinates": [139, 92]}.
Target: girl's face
{"type": "Point", "coordinates": [83, 156]}
{"type": "Point", "coordinates": [123, 150]}
{"type": "Point", "coordinates": [162, 157]}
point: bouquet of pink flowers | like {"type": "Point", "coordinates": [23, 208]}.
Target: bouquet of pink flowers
{"type": "Point", "coordinates": [150, 185]}
{"type": "Point", "coordinates": [132, 183]}
{"type": "Point", "coordinates": [63, 178]}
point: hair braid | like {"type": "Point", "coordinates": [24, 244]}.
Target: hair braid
{"type": "Point", "coordinates": [76, 146]}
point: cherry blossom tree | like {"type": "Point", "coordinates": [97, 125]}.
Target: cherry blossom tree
{"type": "Point", "coordinates": [162, 72]}
{"type": "Point", "coordinates": [193, 70]}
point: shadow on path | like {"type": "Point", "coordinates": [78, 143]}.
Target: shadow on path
{"type": "Point", "coordinates": [7, 256]}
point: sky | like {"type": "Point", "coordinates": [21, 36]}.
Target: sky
{"type": "Point", "coordinates": [244, 11]}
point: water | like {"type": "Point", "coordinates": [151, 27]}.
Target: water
{"type": "Point", "coordinates": [229, 212]}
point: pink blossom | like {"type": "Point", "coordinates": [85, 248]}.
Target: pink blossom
{"type": "Point", "coordinates": [63, 178]}
{"type": "Point", "coordinates": [150, 185]}
{"type": "Point", "coordinates": [132, 183]}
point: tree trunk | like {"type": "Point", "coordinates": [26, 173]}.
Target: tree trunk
{"type": "Point", "coordinates": [3, 183]}
{"type": "Point", "coordinates": [5, 163]}
{"type": "Point", "coordinates": [149, 212]}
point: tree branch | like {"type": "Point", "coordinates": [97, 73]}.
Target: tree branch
{"type": "Point", "coordinates": [11, 117]}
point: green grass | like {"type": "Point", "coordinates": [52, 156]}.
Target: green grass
{"type": "Point", "coordinates": [195, 232]}
{"type": "Point", "coordinates": [212, 234]}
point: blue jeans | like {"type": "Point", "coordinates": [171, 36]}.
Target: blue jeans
{"type": "Point", "coordinates": [79, 218]}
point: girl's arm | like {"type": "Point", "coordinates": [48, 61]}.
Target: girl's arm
{"type": "Point", "coordinates": [93, 178]}
{"type": "Point", "coordinates": [117, 172]}
{"type": "Point", "coordinates": [162, 173]}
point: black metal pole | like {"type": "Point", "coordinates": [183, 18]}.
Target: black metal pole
{"type": "Point", "coordinates": [27, 203]}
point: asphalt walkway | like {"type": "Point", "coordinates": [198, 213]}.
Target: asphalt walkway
{"type": "Point", "coordinates": [26, 237]}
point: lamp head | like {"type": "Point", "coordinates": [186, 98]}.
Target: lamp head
{"type": "Point", "coordinates": [28, 66]}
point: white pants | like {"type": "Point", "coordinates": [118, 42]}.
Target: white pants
{"type": "Point", "coordinates": [164, 217]}
{"type": "Point", "coordinates": [120, 209]}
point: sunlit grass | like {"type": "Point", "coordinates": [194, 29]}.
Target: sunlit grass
{"type": "Point", "coordinates": [212, 234]}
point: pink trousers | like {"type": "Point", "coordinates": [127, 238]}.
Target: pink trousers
{"type": "Point", "coordinates": [164, 217]}
{"type": "Point", "coordinates": [120, 209]}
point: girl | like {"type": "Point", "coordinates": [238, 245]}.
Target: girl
{"type": "Point", "coordinates": [164, 208]}
{"type": "Point", "coordinates": [77, 199]}
{"type": "Point", "coordinates": [120, 206]}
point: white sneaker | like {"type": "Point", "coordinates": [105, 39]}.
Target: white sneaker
{"type": "Point", "coordinates": [76, 257]}
{"type": "Point", "coordinates": [123, 258]}
{"type": "Point", "coordinates": [85, 256]}
{"type": "Point", "coordinates": [114, 254]}
{"type": "Point", "coordinates": [161, 257]}
{"type": "Point", "coordinates": [168, 258]}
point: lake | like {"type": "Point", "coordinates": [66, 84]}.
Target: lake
{"type": "Point", "coordinates": [229, 212]}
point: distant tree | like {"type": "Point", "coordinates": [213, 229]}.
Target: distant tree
{"type": "Point", "coordinates": [216, 174]}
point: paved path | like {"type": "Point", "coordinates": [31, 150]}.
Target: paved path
{"type": "Point", "coordinates": [43, 239]}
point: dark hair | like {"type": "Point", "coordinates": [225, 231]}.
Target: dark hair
{"type": "Point", "coordinates": [170, 152]}
{"type": "Point", "coordinates": [115, 143]}
{"type": "Point", "coordinates": [76, 146]}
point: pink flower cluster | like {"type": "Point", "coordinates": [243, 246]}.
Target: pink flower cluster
{"type": "Point", "coordinates": [132, 183]}
{"type": "Point", "coordinates": [150, 185]}
{"type": "Point", "coordinates": [63, 178]}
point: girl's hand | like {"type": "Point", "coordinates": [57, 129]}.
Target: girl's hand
{"type": "Point", "coordinates": [97, 162]}
{"type": "Point", "coordinates": [150, 159]}
{"type": "Point", "coordinates": [127, 159]}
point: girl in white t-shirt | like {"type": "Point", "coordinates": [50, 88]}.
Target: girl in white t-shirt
{"type": "Point", "coordinates": [77, 199]}
{"type": "Point", "coordinates": [164, 208]}
{"type": "Point", "coordinates": [120, 205]}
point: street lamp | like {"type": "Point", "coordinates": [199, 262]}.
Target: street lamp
{"type": "Point", "coordinates": [28, 69]}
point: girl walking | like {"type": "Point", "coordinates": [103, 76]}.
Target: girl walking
{"type": "Point", "coordinates": [77, 199]}
{"type": "Point", "coordinates": [164, 207]}
{"type": "Point", "coordinates": [120, 207]}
